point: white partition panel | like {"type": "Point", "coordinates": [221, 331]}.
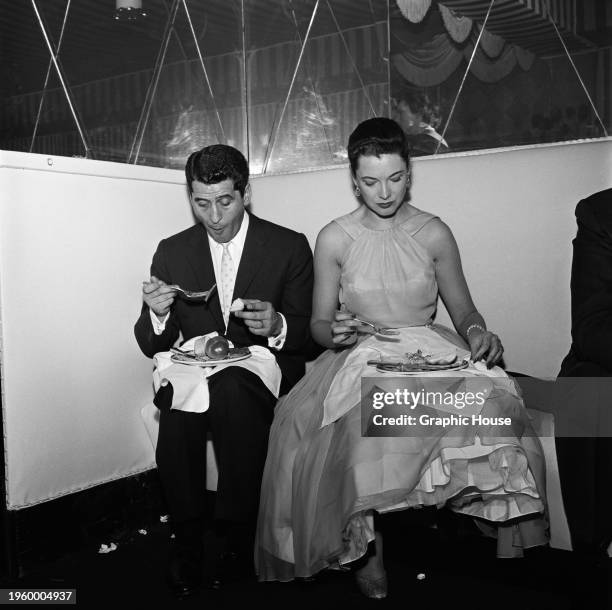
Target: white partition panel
{"type": "Point", "coordinates": [76, 240]}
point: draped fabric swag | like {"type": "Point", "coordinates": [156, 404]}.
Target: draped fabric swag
{"type": "Point", "coordinates": [432, 63]}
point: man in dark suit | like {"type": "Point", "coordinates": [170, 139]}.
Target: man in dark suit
{"type": "Point", "coordinates": [270, 268]}
{"type": "Point", "coordinates": [585, 464]}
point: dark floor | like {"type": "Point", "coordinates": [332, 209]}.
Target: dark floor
{"type": "Point", "coordinates": [459, 566]}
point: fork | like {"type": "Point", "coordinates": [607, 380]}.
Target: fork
{"type": "Point", "coordinates": [194, 294]}
{"type": "Point", "coordinates": [379, 330]}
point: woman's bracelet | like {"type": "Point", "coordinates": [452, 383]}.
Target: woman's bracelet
{"type": "Point", "coordinates": [467, 332]}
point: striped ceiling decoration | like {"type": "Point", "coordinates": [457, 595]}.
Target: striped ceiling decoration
{"type": "Point", "coordinates": [527, 23]}
{"type": "Point", "coordinates": [430, 66]}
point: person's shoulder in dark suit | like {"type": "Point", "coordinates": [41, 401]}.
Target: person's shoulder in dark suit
{"type": "Point", "coordinates": [595, 212]}
{"type": "Point", "coordinates": [183, 238]}
{"type": "Point", "coordinates": [591, 289]}
{"type": "Point", "coordinates": [294, 247]}
{"type": "Point", "coordinates": [279, 231]}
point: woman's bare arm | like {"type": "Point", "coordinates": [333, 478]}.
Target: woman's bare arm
{"type": "Point", "coordinates": [329, 327]}
{"type": "Point", "coordinates": [441, 244]}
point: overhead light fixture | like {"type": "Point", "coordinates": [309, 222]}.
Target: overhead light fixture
{"type": "Point", "coordinates": [129, 10]}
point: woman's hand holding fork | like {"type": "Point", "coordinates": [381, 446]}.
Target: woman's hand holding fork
{"type": "Point", "coordinates": [344, 328]}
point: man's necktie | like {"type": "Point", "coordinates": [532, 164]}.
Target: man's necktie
{"type": "Point", "coordinates": [227, 280]}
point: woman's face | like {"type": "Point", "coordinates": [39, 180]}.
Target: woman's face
{"type": "Point", "coordinates": [383, 182]}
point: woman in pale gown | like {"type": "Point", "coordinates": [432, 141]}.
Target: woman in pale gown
{"type": "Point", "coordinates": [387, 262]}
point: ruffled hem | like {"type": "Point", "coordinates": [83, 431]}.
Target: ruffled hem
{"type": "Point", "coordinates": [492, 483]}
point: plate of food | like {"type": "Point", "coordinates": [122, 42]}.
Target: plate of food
{"type": "Point", "coordinates": [235, 355]}
{"type": "Point", "coordinates": [210, 351]}
{"type": "Point", "coordinates": [419, 362]}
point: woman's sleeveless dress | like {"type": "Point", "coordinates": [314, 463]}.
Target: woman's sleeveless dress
{"type": "Point", "coordinates": [322, 479]}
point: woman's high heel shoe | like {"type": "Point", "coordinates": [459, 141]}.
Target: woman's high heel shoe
{"type": "Point", "coordinates": [374, 588]}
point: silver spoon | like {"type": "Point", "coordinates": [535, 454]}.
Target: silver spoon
{"type": "Point", "coordinates": [194, 294]}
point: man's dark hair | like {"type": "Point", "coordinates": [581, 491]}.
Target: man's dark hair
{"type": "Point", "coordinates": [216, 163]}
{"type": "Point", "coordinates": [375, 137]}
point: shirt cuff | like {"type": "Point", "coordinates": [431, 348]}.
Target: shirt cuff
{"type": "Point", "coordinates": [278, 341]}
{"type": "Point", "coordinates": [159, 326]}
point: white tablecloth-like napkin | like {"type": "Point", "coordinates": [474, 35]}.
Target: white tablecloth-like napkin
{"type": "Point", "coordinates": [190, 383]}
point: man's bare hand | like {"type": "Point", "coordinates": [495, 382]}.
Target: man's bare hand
{"type": "Point", "coordinates": [260, 317]}
{"type": "Point", "coordinates": [158, 296]}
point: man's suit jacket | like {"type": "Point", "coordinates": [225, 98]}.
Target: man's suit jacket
{"type": "Point", "coordinates": [585, 463]}
{"type": "Point", "coordinates": [591, 289]}
{"type": "Point", "coordinates": [276, 266]}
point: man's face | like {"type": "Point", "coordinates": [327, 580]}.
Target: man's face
{"type": "Point", "coordinates": [219, 207]}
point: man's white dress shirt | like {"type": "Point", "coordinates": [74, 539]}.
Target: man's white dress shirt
{"type": "Point", "coordinates": [235, 248]}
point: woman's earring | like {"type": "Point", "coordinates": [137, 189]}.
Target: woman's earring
{"type": "Point", "coordinates": [357, 191]}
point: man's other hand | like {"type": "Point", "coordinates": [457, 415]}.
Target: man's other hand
{"type": "Point", "coordinates": [260, 317]}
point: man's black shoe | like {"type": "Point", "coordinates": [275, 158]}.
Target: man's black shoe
{"type": "Point", "coordinates": [186, 566]}
{"type": "Point", "coordinates": [184, 576]}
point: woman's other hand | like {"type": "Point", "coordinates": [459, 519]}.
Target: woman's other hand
{"type": "Point", "coordinates": [343, 328]}
{"type": "Point", "coordinates": [486, 346]}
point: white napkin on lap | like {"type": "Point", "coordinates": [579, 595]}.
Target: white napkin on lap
{"type": "Point", "coordinates": [190, 382]}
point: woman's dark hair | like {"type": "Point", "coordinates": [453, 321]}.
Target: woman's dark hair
{"type": "Point", "coordinates": [377, 136]}
{"type": "Point", "coordinates": [215, 164]}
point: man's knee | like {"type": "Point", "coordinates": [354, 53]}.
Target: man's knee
{"type": "Point", "coordinates": [239, 393]}
{"type": "Point", "coordinates": [232, 374]}
{"type": "Point", "coordinates": [235, 381]}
